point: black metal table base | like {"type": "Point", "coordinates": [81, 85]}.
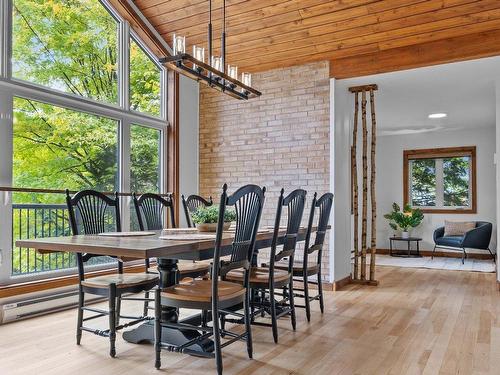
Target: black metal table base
{"type": "Point", "coordinates": [144, 334]}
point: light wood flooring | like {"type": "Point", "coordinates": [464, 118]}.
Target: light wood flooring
{"type": "Point", "coordinates": [416, 322]}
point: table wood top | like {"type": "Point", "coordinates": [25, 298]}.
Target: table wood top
{"type": "Point", "coordinates": [141, 246]}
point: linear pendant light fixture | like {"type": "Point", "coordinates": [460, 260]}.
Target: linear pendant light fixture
{"type": "Point", "coordinates": [212, 73]}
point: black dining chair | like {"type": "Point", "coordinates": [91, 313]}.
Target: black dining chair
{"type": "Point", "coordinates": [152, 211]}
{"type": "Point", "coordinates": [266, 279]}
{"type": "Point", "coordinates": [305, 269]}
{"type": "Point", "coordinates": [217, 295]}
{"type": "Point", "coordinates": [191, 204]}
{"type": "Point", "coordinates": [91, 213]}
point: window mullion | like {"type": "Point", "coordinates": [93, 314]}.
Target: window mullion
{"type": "Point", "coordinates": [5, 37]}
{"type": "Point", "coordinates": [6, 155]}
{"type": "Point", "coordinates": [439, 183]}
{"type": "Point", "coordinates": [124, 174]}
{"type": "Point", "coordinates": [124, 65]}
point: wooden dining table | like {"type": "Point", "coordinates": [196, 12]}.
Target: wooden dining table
{"type": "Point", "coordinates": [168, 252]}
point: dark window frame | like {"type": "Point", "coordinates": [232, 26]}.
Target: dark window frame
{"type": "Point", "coordinates": [437, 153]}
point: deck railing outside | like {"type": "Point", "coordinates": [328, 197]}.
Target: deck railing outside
{"type": "Point", "coordinates": [38, 220]}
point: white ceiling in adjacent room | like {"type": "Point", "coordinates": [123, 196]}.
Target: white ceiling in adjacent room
{"type": "Point", "coordinates": [465, 91]}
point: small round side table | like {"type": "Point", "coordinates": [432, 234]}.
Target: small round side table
{"type": "Point", "coordinates": [402, 253]}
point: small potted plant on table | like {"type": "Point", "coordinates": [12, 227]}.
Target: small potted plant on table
{"type": "Point", "coordinates": [404, 220]}
{"type": "Point", "coordinates": [206, 218]}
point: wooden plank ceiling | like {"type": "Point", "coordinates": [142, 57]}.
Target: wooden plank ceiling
{"type": "Point", "coordinates": [267, 34]}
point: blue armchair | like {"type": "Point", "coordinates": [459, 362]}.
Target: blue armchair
{"type": "Point", "coordinates": [477, 238]}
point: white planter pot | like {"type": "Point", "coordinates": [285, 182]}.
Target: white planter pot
{"type": "Point", "coordinates": [405, 234]}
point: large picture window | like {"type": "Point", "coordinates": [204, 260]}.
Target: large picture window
{"type": "Point", "coordinates": [71, 46]}
{"type": "Point", "coordinates": [58, 148]}
{"type": "Point", "coordinates": [145, 78]}
{"type": "Point", "coordinates": [441, 180]}
{"type": "Point", "coordinates": [82, 106]}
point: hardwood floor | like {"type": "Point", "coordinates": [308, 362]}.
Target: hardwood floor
{"type": "Point", "coordinates": [416, 322]}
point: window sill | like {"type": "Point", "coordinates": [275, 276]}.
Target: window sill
{"type": "Point", "coordinates": [448, 211]}
{"type": "Point", "coordinates": [12, 290]}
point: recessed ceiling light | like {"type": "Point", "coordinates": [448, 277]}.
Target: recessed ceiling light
{"type": "Point", "coordinates": [438, 115]}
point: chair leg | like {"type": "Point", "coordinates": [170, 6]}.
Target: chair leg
{"type": "Point", "coordinates": [306, 298]}
{"type": "Point", "coordinates": [248, 325]}
{"type": "Point", "coordinates": [112, 319]}
{"type": "Point", "coordinates": [292, 304]}
{"type": "Point", "coordinates": [216, 337]}
{"type": "Point", "coordinates": [157, 328]}
{"type": "Point", "coordinates": [320, 291]}
{"type": "Point", "coordinates": [464, 255]}
{"type": "Point", "coordinates": [492, 255]}
{"type": "Point", "coordinates": [146, 304]}
{"type": "Point", "coordinates": [252, 304]}
{"type": "Point", "coordinates": [222, 324]}
{"type": "Point", "coordinates": [204, 318]}
{"type": "Point", "coordinates": [118, 309]}
{"type": "Point", "coordinates": [262, 300]}
{"type": "Point", "coordinates": [81, 301]}
{"type": "Point", "coordinates": [433, 251]}
{"type": "Point", "coordinates": [274, 322]}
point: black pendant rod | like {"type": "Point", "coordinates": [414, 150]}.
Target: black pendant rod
{"type": "Point", "coordinates": [210, 33]}
{"type": "Point", "coordinates": [223, 42]}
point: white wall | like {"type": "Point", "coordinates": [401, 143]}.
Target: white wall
{"type": "Point", "coordinates": [340, 125]}
{"type": "Point", "coordinates": [389, 187]}
{"type": "Point", "coordinates": [452, 86]}
{"type": "Point", "coordinates": [497, 158]}
{"type": "Point", "coordinates": [188, 139]}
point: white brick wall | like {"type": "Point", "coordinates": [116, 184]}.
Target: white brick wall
{"type": "Point", "coordinates": [279, 140]}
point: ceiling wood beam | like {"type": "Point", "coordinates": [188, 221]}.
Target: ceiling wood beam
{"type": "Point", "coordinates": [383, 31]}
{"type": "Point", "coordinates": [343, 48]}
{"type": "Point", "coordinates": [393, 18]}
{"type": "Point", "coordinates": [273, 24]}
{"type": "Point", "coordinates": [467, 47]}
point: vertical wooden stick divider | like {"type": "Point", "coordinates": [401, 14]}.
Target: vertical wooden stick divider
{"type": "Point", "coordinates": [354, 178]}
{"type": "Point", "coordinates": [364, 209]}
{"type": "Point", "coordinates": [373, 199]}
{"type": "Point", "coordinates": [359, 272]}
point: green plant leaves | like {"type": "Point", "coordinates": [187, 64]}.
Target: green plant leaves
{"type": "Point", "coordinates": [210, 215]}
{"type": "Point", "coordinates": [408, 218]}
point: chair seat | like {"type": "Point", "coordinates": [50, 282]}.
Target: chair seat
{"type": "Point", "coordinates": [121, 280]}
{"type": "Point", "coordinates": [188, 268]}
{"type": "Point", "coordinates": [298, 268]}
{"type": "Point", "coordinates": [201, 291]}
{"type": "Point", "coordinates": [259, 276]}
{"type": "Point", "coordinates": [452, 241]}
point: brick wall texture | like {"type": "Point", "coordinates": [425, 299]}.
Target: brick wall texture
{"type": "Point", "coordinates": [278, 140]}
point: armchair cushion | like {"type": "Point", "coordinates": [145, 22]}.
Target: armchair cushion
{"type": "Point", "coordinates": [452, 241]}
{"type": "Point", "coordinates": [457, 228]}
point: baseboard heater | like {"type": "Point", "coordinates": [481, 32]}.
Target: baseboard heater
{"type": "Point", "coordinates": [35, 306]}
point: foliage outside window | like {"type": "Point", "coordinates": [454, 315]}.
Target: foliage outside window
{"type": "Point", "coordinates": [145, 149]}
{"type": "Point", "coordinates": [145, 78]}
{"type": "Point", "coordinates": [72, 47]}
{"type": "Point", "coordinates": [58, 148]}
{"type": "Point", "coordinates": [69, 46]}
{"type": "Point", "coordinates": [441, 180]}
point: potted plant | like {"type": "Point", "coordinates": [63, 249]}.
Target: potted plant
{"type": "Point", "coordinates": [206, 218]}
{"type": "Point", "coordinates": [404, 220]}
